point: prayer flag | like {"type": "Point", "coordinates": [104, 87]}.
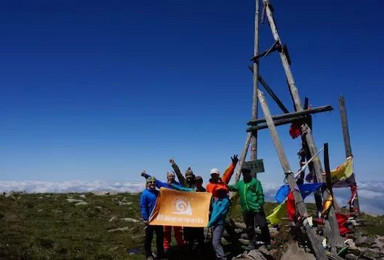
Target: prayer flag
{"type": "Point", "coordinates": [278, 214]}
{"type": "Point", "coordinates": [180, 208]}
{"type": "Point", "coordinates": [305, 190]}
{"type": "Point", "coordinates": [342, 172]}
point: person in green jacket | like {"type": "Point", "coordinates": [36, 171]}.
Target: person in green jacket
{"type": "Point", "coordinates": [251, 202]}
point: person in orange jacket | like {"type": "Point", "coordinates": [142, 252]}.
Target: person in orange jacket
{"type": "Point", "coordinates": [216, 183]}
{"type": "Point", "coordinates": [219, 204]}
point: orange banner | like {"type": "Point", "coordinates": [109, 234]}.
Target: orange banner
{"type": "Point", "coordinates": [180, 208]}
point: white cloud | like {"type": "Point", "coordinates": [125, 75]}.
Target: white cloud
{"type": "Point", "coordinates": [70, 186]}
{"type": "Point", "coordinates": [371, 194]}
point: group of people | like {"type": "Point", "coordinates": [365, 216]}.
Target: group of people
{"type": "Point", "coordinates": [251, 200]}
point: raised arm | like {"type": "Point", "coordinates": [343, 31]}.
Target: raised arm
{"type": "Point", "coordinates": [158, 183]}
{"type": "Point", "coordinates": [229, 171]}
{"type": "Point", "coordinates": [178, 172]}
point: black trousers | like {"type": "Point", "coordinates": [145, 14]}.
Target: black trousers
{"type": "Point", "coordinates": [252, 220]}
{"type": "Point", "coordinates": [159, 240]}
{"type": "Point", "coordinates": [194, 234]}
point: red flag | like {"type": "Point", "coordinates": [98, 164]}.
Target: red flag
{"type": "Point", "coordinates": [291, 211]}
{"type": "Point", "coordinates": [295, 130]}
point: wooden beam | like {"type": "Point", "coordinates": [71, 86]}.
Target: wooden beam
{"type": "Point", "coordinates": [300, 205]}
{"type": "Point", "coordinates": [275, 47]}
{"type": "Point", "coordinates": [306, 130]}
{"type": "Point", "coordinates": [255, 80]}
{"type": "Point", "coordinates": [332, 234]}
{"type": "Point", "coordinates": [273, 95]}
{"type": "Point", "coordinates": [348, 147]}
{"type": "Point", "coordinates": [243, 156]}
{"type": "Point", "coordinates": [344, 125]}
{"type": "Point", "coordinates": [294, 114]}
{"type": "Point", "coordinates": [277, 122]}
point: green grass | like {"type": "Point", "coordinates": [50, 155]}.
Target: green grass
{"type": "Point", "coordinates": [48, 226]}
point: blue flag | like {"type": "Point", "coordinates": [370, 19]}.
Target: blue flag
{"type": "Point", "coordinates": [305, 190]}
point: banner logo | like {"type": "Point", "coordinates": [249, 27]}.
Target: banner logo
{"type": "Point", "coordinates": [182, 207]}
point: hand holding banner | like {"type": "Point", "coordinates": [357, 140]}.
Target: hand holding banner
{"type": "Point", "coordinates": [179, 208]}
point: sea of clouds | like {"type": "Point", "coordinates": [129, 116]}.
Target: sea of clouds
{"type": "Point", "coordinates": [371, 193]}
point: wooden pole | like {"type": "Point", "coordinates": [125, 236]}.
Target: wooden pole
{"type": "Point", "coordinates": [300, 205]}
{"type": "Point", "coordinates": [255, 81]}
{"type": "Point", "coordinates": [242, 157]}
{"type": "Point", "coordinates": [344, 125]}
{"type": "Point", "coordinates": [273, 95]}
{"type": "Point", "coordinates": [306, 130]}
{"type": "Point", "coordinates": [333, 235]}
{"type": "Point", "coordinates": [348, 148]}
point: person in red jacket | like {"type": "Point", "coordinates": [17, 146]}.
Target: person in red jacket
{"type": "Point", "coordinates": [216, 183]}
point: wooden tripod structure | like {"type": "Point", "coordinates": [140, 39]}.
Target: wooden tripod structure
{"type": "Point", "coordinates": [331, 229]}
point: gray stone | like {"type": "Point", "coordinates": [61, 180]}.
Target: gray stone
{"type": "Point", "coordinates": [295, 253]}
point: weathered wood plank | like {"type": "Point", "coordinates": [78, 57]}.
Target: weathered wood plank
{"type": "Point", "coordinates": [294, 114]}
{"type": "Point", "coordinates": [306, 130]}
{"type": "Point", "coordinates": [348, 147]}
{"type": "Point", "coordinates": [243, 156]}
{"type": "Point", "coordinates": [277, 122]}
{"type": "Point", "coordinates": [300, 205]}
{"type": "Point", "coordinates": [255, 80]}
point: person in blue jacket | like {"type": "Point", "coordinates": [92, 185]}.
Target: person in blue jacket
{"type": "Point", "coordinates": [147, 203]}
{"type": "Point", "coordinates": [220, 207]}
{"type": "Point", "coordinates": [177, 231]}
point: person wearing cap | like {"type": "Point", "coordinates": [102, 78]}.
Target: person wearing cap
{"type": "Point", "coordinates": [190, 183]}
{"type": "Point", "coordinates": [177, 231]}
{"type": "Point", "coordinates": [251, 202]}
{"type": "Point", "coordinates": [199, 184]}
{"type": "Point", "coordinates": [216, 183]}
{"type": "Point", "coordinates": [147, 204]}
{"type": "Point", "coordinates": [189, 180]}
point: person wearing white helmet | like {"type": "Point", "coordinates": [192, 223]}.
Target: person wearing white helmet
{"type": "Point", "coordinates": [216, 183]}
{"type": "Point", "coordinates": [220, 204]}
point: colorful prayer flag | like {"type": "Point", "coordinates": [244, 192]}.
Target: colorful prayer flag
{"type": "Point", "coordinates": [278, 214]}
{"type": "Point", "coordinates": [343, 171]}
{"type": "Point", "coordinates": [305, 190]}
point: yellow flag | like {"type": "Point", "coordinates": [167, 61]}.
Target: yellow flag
{"type": "Point", "coordinates": [180, 208]}
{"type": "Point", "coordinates": [278, 213]}
{"type": "Point", "coordinates": [343, 171]}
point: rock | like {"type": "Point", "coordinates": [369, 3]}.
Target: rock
{"type": "Point", "coordinates": [239, 230]}
{"type": "Point", "coordinates": [82, 196]}
{"type": "Point", "coordinates": [81, 203]}
{"type": "Point", "coordinates": [124, 203]}
{"type": "Point", "coordinates": [70, 200]}
{"type": "Point", "coordinates": [119, 229]}
{"type": "Point", "coordinates": [113, 218]}
{"type": "Point", "coordinates": [130, 220]}
{"type": "Point", "coordinates": [294, 253]}
{"type": "Point", "coordinates": [244, 241]}
{"type": "Point", "coordinates": [256, 255]}
{"type": "Point", "coordinates": [359, 239]}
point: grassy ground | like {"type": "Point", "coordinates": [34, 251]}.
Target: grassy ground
{"type": "Point", "coordinates": [48, 226]}
{"type": "Point", "coordinates": [53, 226]}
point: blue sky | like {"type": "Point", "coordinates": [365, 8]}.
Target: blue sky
{"type": "Point", "coordinates": [99, 90]}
